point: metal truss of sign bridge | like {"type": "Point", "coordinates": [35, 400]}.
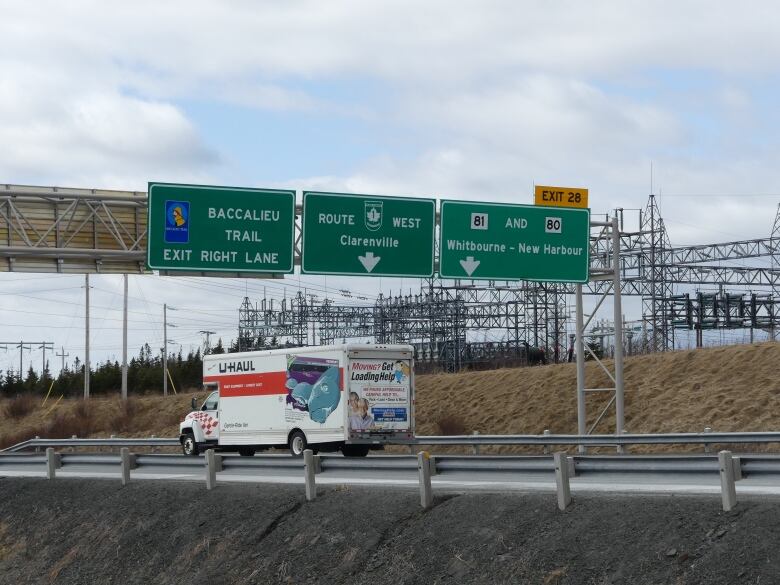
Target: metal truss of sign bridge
{"type": "Point", "coordinates": [50, 229]}
{"type": "Point", "coordinates": [447, 321]}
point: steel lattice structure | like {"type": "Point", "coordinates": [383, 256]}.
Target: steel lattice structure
{"type": "Point", "coordinates": [445, 319]}
{"type": "Point", "coordinates": [50, 229]}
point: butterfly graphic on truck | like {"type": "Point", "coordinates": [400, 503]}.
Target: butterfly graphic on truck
{"type": "Point", "coordinates": [313, 386]}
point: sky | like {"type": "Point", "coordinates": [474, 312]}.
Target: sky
{"type": "Point", "coordinates": [465, 100]}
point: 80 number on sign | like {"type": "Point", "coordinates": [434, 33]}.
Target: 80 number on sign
{"type": "Point", "coordinates": [552, 225]}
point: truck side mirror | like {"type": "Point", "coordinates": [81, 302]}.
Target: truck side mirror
{"type": "Point", "coordinates": [194, 404]}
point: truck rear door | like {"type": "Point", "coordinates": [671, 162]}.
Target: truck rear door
{"type": "Point", "coordinates": [380, 402]}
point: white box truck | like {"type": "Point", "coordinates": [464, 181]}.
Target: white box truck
{"type": "Point", "coordinates": [347, 398]}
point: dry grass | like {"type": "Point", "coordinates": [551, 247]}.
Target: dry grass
{"type": "Point", "coordinates": [100, 417]}
{"type": "Point", "coordinates": [733, 388]}
{"type": "Point", "coordinates": [20, 406]}
{"type": "Point", "coordinates": [450, 424]}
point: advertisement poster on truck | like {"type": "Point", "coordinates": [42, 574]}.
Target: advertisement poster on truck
{"type": "Point", "coordinates": [313, 388]}
{"type": "Point", "coordinates": [379, 395]}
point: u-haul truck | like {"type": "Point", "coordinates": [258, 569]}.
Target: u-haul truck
{"type": "Point", "coordinates": [340, 397]}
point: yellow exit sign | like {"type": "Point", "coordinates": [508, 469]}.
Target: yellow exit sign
{"type": "Point", "coordinates": [561, 196]}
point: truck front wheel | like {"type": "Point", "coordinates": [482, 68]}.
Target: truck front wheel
{"type": "Point", "coordinates": [298, 444]}
{"type": "Point", "coordinates": [189, 446]}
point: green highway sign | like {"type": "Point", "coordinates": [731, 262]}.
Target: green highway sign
{"type": "Point", "coordinates": [366, 235]}
{"type": "Point", "coordinates": [499, 241]}
{"type": "Point", "coordinates": [220, 229]}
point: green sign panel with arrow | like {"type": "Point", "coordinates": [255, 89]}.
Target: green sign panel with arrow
{"type": "Point", "coordinates": [367, 235]}
{"type": "Point", "coordinates": [498, 241]}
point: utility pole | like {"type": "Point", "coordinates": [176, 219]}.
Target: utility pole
{"type": "Point", "coordinates": [28, 345]}
{"type": "Point", "coordinates": [63, 355]}
{"type": "Point", "coordinates": [165, 350]}
{"type": "Point", "coordinates": [207, 341]}
{"type": "Point", "coordinates": [86, 333]}
{"type": "Point", "coordinates": [124, 341]}
{"type": "Point", "coordinates": [22, 347]}
{"type": "Point", "coordinates": [44, 346]}
{"type": "Point", "coordinates": [165, 346]}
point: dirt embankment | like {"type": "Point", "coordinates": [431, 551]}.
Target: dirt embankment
{"type": "Point", "coordinates": [94, 531]}
{"type": "Point", "coordinates": [727, 388]}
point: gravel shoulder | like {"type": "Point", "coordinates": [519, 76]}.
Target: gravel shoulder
{"type": "Point", "coordinates": [73, 531]}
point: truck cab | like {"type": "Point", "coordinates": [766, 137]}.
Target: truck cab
{"type": "Point", "coordinates": [200, 428]}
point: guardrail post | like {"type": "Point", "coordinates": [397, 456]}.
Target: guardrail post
{"type": "Point", "coordinates": [737, 468]}
{"type": "Point", "coordinates": [72, 449]}
{"type": "Point", "coordinates": [424, 470]}
{"type": "Point", "coordinates": [476, 447]}
{"type": "Point", "coordinates": [128, 462]}
{"type": "Point", "coordinates": [707, 448]}
{"type": "Point", "coordinates": [546, 449]}
{"type": "Point", "coordinates": [728, 490]}
{"type": "Point", "coordinates": [213, 464]}
{"type": "Point", "coordinates": [154, 449]}
{"type": "Point", "coordinates": [562, 480]}
{"type": "Point", "coordinates": [53, 463]}
{"type": "Point", "coordinates": [37, 449]}
{"type": "Point", "coordinates": [309, 471]}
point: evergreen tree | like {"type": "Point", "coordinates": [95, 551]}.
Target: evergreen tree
{"type": "Point", "coordinates": [594, 343]}
{"type": "Point", "coordinates": [30, 382]}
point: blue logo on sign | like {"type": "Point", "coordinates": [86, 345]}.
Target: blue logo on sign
{"type": "Point", "coordinates": [177, 222]}
{"type": "Point", "coordinates": [381, 414]}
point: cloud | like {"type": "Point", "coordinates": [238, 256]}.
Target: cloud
{"type": "Point", "coordinates": [474, 100]}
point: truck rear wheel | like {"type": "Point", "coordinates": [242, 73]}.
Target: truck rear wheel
{"type": "Point", "coordinates": [298, 444]}
{"type": "Point", "coordinates": [189, 446]}
{"type": "Point", "coordinates": [246, 451]}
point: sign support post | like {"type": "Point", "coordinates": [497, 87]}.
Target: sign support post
{"type": "Point", "coordinates": [580, 352]}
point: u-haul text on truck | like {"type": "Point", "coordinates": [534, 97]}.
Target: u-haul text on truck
{"type": "Point", "coordinates": [344, 397]}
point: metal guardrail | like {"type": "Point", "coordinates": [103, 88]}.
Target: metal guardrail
{"type": "Point", "coordinates": [603, 440]}
{"type": "Point", "coordinates": [707, 438]}
{"type": "Point", "coordinates": [538, 468]}
{"type": "Point", "coordinates": [43, 443]}
{"type": "Point", "coordinates": [480, 465]}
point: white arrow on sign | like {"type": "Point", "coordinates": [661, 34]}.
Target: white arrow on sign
{"type": "Point", "coordinates": [369, 261]}
{"type": "Point", "coordinates": [469, 265]}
